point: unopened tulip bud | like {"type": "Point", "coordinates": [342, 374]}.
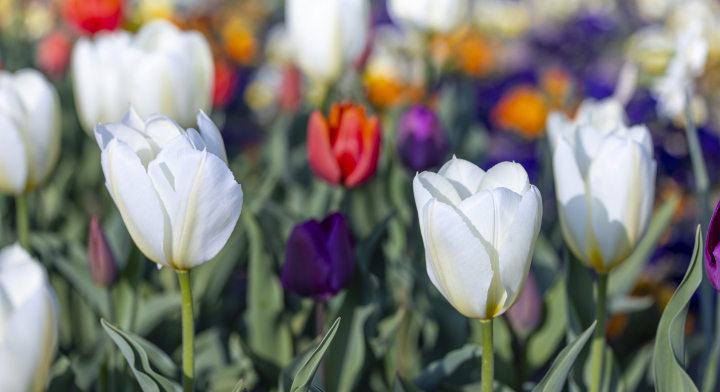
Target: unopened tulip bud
{"type": "Point", "coordinates": [421, 142]}
{"type": "Point", "coordinates": [344, 148]}
{"type": "Point", "coordinates": [527, 312]}
{"type": "Point", "coordinates": [103, 268]}
{"type": "Point", "coordinates": [320, 259]}
{"type": "Point", "coordinates": [712, 250]}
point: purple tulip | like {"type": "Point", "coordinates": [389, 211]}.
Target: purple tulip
{"type": "Point", "coordinates": [319, 259]}
{"type": "Point", "coordinates": [712, 250]}
{"type": "Point", "coordinates": [526, 314]}
{"type": "Point", "coordinates": [100, 258]}
{"type": "Point", "coordinates": [420, 140]}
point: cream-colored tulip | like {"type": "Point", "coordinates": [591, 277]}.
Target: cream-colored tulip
{"type": "Point", "coordinates": [161, 69]}
{"type": "Point", "coordinates": [28, 322]}
{"type": "Point", "coordinates": [327, 35]}
{"type": "Point", "coordinates": [479, 230]}
{"type": "Point", "coordinates": [173, 188]}
{"type": "Point", "coordinates": [605, 186]}
{"type": "Point", "coordinates": [430, 15]}
{"type": "Point", "coordinates": [29, 130]}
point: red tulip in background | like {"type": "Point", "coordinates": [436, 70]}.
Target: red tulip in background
{"type": "Point", "coordinates": [344, 148]}
{"type": "Point", "coordinates": [91, 16]}
{"type": "Point", "coordinates": [226, 79]}
{"type": "Point", "coordinates": [53, 54]}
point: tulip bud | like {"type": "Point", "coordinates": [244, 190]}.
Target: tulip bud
{"type": "Point", "coordinates": [91, 16]}
{"type": "Point", "coordinates": [344, 148]}
{"type": "Point", "coordinates": [604, 181]}
{"type": "Point", "coordinates": [420, 140]}
{"type": "Point", "coordinates": [29, 319]}
{"type": "Point", "coordinates": [29, 130]}
{"type": "Point", "coordinates": [103, 268]}
{"type": "Point", "coordinates": [479, 229]}
{"type": "Point", "coordinates": [319, 259]}
{"type": "Point", "coordinates": [712, 250]}
{"type": "Point", "coordinates": [527, 312]}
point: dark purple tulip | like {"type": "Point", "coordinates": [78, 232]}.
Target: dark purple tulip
{"type": "Point", "coordinates": [100, 258]}
{"type": "Point", "coordinates": [319, 259]}
{"type": "Point", "coordinates": [712, 250]}
{"type": "Point", "coordinates": [421, 142]}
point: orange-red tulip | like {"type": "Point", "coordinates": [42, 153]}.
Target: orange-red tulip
{"type": "Point", "coordinates": [344, 148]}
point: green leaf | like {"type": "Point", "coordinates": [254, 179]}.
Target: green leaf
{"type": "Point", "coordinates": [354, 358]}
{"type": "Point", "coordinates": [554, 379]}
{"type": "Point", "coordinates": [157, 357]}
{"type": "Point", "coordinates": [268, 336]}
{"type": "Point", "coordinates": [431, 377]}
{"type": "Point", "coordinates": [543, 343]}
{"type": "Point", "coordinates": [402, 385]}
{"type": "Point", "coordinates": [637, 368]}
{"type": "Point", "coordinates": [387, 331]}
{"type": "Point", "coordinates": [80, 279]}
{"type": "Point", "coordinates": [669, 359]}
{"type": "Point", "coordinates": [238, 387]}
{"type": "Point", "coordinates": [149, 380]}
{"type": "Point", "coordinates": [623, 278]}
{"type": "Point", "coordinates": [303, 378]}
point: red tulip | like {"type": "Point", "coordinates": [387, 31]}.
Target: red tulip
{"type": "Point", "coordinates": [53, 54]}
{"type": "Point", "coordinates": [344, 148]}
{"type": "Point", "coordinates": [103, 269]}
{"type": "Point", "coordinates": [226, 79]}
{"type": "Point", "coordinates": [92, 16]}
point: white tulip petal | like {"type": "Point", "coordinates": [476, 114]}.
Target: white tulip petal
{"type": "Point", "coordinates": [211, 134]}
{"type": "Point", "coordinates": [13, 158]}
{"type": "Point", "coordinates": [641, 135]}
{"type": "Point", "coordinates": [517, 250]}
{"type": "Point", "coordinates": [133, 193]}
{"type": "Point", "coordinates": [587, 143]}
{"type": "Point", "coordinates": [209, 205]}
{"type": "Point", "coordinates": [437, 187]}
{"type": "Point", "coordinates": [614, 190]}
{"type": "Point", "coordinates": [162, 129]}
{"type": "Point", "coordinates": [132, 119]}
{"type": "Point", "coordinates": [572, 202]}
{"type": "Point", "coordinates": [197, 141]}
{"type": "Point", "coordinates": [86, 83]}
{"type": "Point", "coordinates": [316, 33]}
{"type": "Point", "coordinates": [456, 260]}
{"type": "Point", "coordinates": [43, 105]}
{"type": "Point", "coordinates": [508, 175]}
{"type": "Point", "coordinates": [203, 68]}
{"type": "Point", "coordinates": [30, 344]}
{"type": "Point", "coordinates": [163, 83]}
{"type": "Point", "coordinates": [355, 24]}
{"type": "Point", "coordinates": [558, 125]}
{"type": "Point", "coordinates": [646, 179]}
{"type": "Point", "coordinates": [463, 175]}
{"type": "Point", "coordinates": [136, 140]}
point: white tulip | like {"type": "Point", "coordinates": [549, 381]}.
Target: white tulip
{"type": "Point", "coordinates": [605, 186]}
{"type": "Point", "coordinates": [327, 34]}
{"type": "Point", "coordinates": [175, 192]}
{"type": "Point", "coordinates": [29, 130]}
{"type": "Point", "coordinates": [430, 15]}
{"type": "Point", "coordinates": [605, 116]}
{"type": "Point", "coordinates": [479, 231]}
{"type": "Point", "coordinates": [28, 322]}
{"type": "Point", "coordinates": [161, 69]}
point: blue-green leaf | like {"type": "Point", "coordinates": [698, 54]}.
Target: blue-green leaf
{"type": "Point", "coordinates": [554, 379]}
{"type": "Point", "coordinates": [303, 378]}
{"type": "Point", "coordinates": [669, 359]}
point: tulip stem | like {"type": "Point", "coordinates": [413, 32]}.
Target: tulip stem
{"type": "Point", "coordinates": [188, 331]}
{"type": "Point", "coordinates": [23, 227]}
{"type": "Point", "coordinates": [599, 339]}
{"type": "Point", "coordinates": [488, 359]}
{"type": "Point", "coordinates": [320, 332]}
{"type": "Point", "coordinates": [701, 187]}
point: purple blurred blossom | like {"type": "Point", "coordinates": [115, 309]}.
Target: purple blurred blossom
{"type": "Point", "coordinates": [421, 142]}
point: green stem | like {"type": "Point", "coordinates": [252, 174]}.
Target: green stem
{"type": "Point", "coordinates": [599, 339]}
{"type": "Point", "coordinates": [188, 331]}
{"type": "Point", "coordinates": [702, 184]}
{"type": "Point", "coordinates": [488, 360]}
{"type": "Point", "coordinates": [23, 227]}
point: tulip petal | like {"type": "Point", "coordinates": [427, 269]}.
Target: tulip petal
{"type": "Point", "coordinates": [316, 34]}
{"type": "Point", "coordinates": [13, 158]}
{"type": "Point", "coordinates": [355, 26]}
{"type": "Point", "coordinates": [463, 175]}
{"type": "Point", "coordinates": [428, 185]}
{"type": "Point", "coordinates": [307, 269]}
{"type": "Point", "coordinates": [197, 141]}
{"type": "Point", "coordinates": [86, 83]}
{"type": "Point", "coordinates": [209, 204]}
{"type": "Point", "coordinates": [367, 164]}
{"type": "Point", "coordinates": [204, 69]}
{"type": "Point", "coordinates": [211, 134]}
{"type": "Point", "coordinates": [162, 129]}
{"type": "Point", "coordinates": [320, 155]}
{"type": "Point", "coordinates": [340, 251]}
{"type": "Point", "coordinates": [40, 99]}
{"type": "Point", "coordinates": [517, 250]}
{"type": "Point", "coordinates": [572, 202]}
{"type": "Point", "coordinates": [558, 125]}
{"type": "Point", "coordinates": [587, 143]}
{"type": "Point", "coordinates": [615, 195]}
{"type": "Point", "coordinates": [132, 119]}
{"type": "Point", "coordinates": [135, 198]}
{"type": "Point", "coordinates": [457, 262]}
{"type": "Point", "coordinates": [136, 140]}
{"type": "Point", "coordinates": [508, 175]}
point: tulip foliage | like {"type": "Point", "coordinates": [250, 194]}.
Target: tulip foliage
{"type": "Point", "coordinates": [358, 212]}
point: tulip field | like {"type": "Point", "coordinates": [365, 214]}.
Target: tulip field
{"type": "Point", "coordinates": [359, 195]}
